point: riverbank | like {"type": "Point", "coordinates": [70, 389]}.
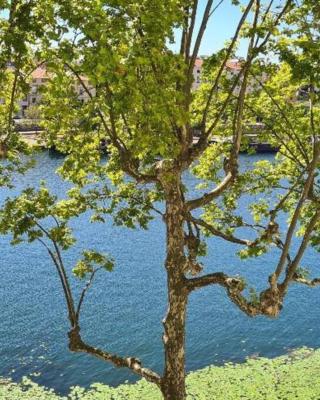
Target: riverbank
{"type": "Point", "coordinates": [292, 377]}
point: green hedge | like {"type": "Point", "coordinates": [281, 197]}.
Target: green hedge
{"type": "Point", "coordinates": [290, 377]}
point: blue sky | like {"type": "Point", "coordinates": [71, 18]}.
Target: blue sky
{"type": "Point", "coordinates": [221, 27]}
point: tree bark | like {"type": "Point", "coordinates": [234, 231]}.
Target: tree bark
{"type": "Point", "coordinates": [173, 381]}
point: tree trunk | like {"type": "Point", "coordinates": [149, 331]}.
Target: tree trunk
{"type": "Point", "coordinates": [173, 382]}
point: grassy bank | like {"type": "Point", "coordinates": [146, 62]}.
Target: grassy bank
{"type": "Point", "coordinates": [291, 377]}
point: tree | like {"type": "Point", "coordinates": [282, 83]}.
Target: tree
{"type": "Point", "coordinates": [139, 98]}
{"type": "Point", "coordinates": [20, 30]}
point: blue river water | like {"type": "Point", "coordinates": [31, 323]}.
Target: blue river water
{"type": "Point", "coordinates": [123, 310]}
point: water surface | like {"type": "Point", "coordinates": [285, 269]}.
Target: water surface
{"type": "Point", "coordinates": [124, 309]}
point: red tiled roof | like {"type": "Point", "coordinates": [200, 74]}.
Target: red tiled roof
{"type": "Point", "coordinates": [39, 73]}
{"type": "Point", "coordinates": [231, 64]}
{"type": "Point", "coordinates": [234, 64]}
{"type": "Point", "coordinates": [198, 63]}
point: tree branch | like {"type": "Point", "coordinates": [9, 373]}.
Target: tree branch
{"type": "Point", "coordinates": [216, 278]}
{"type": "Point", "coordinates": [284, 116]}
{"type": "Point", "coordinates": [216, 232]}
{"type": "Point", "coordinates": [269, 302]}
{"type": "Point", "coordinates": [208, 197]}
{"type": "Point", "coordinates": [203, 26]}
{"type": "Point", "coordinates": [191, 28]}
{"type": "Point", "coordinates": [128, 163]}
{"type": "Point", "coordinates": [76, 344]}
{"type": "Point", "coordinates": [223, 65]}
{"type": "Point", "coordinates": [71, 313]}
{"type": "Point", "coordinates": [308, 282]}
{"type": "Point", "coordinates": [232, 167]}
{"type": "Point", "coordinates": [184, 37]}
{"type": "Point", "coordinates": [297, 212]}
{"type": "Point", "coordinates": [293, 157]}
{"type": "Point", "coordinates": [276, 22]}
{"type": "Point", "coordinates": [84, 291]}
{"type": "Point", "coordinates": [296, 261]}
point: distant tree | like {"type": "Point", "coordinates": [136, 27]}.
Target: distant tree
{"type": "Point", "coordinates": [140, 100]}
{"type": "Point", "coordinates": [33, 112]}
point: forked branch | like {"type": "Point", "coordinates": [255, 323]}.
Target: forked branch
{"type": "Point", "coordinates": [269, 302]}
{"type": "Point", "coordinates": [76, 343]}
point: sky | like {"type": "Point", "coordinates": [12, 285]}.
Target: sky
{"type": "Point", "coordinates": [220, 28]}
